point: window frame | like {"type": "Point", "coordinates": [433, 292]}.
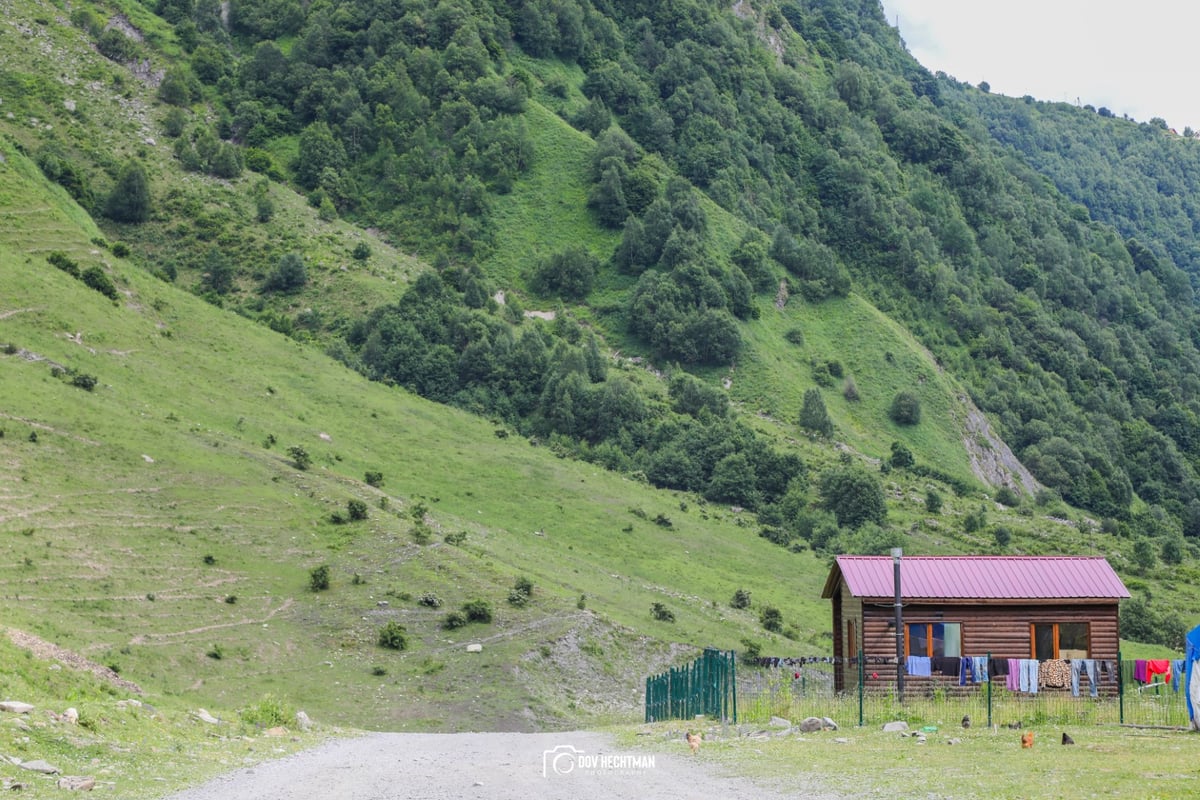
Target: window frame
{"type": "Point", "coordinates": [929, 638]}
{"type": "Point", "coordinates": [1055, 633]}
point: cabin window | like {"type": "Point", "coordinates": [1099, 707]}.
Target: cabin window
{"type": "Point", "coordinates": [1059, 640]}
{"type": "Point", "coordinates": [933, 639]}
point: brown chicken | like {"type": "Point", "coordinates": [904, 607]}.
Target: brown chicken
{"type": "Point", "coordinates": [1027, 739]}
{"type": "Point", "coordinates": [693, 740]}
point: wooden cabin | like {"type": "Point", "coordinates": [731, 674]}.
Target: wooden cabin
{"type": "Point", "coordinates": [1059, 607]}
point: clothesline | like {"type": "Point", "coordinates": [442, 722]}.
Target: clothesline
{"type": "Point", "coordinates": [1026, 675]}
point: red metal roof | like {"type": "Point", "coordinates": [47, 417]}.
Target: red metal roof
{"type": "Point", "coordinates": [979, 577]}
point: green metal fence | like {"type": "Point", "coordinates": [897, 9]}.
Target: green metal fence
{"type": "Point", "coordinates": [808, 691]}
{"type": "Point", "coordinates": [706, 687]}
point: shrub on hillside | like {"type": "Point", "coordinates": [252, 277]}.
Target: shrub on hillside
{"type": "Point", "coordinates": [288, 275]}
{"type": "Point", "coordinates": [901, 456]}
{"type": "Point", "coordinates": [478, 611]}
{"type": "Point", "coordinates": [661, 613]}
{"type": "Point", "coordinates": [84, 381]}
{"type": "Point", "coordinates": [569, 274]}
{"type": "Point", "coordinates": [270, 712]}
{"type": "Point", "coordinates": [771, 619]}
{"type": "Point", "coordinates": [301, 460]}
{"type": "Point", "coordinates": [1005, 496]}
{"type": "Point", "coordinates": [429, 600]}
{"type": "Point", "coordinates": [521, 592]}
{"type": "Point", "coordinates": [740, 599]}
{"type": "Point", "coordinates": [96, 278]}
{"type": "Point", "coordinates": [905, 409]}
{"type": "Point", "coordinates": [318, 578]}
{"type": "Point", "coordinates": [356, 510]}
{"type": "Point", "coordinates": [393, 636]}
{"type": "Point", "coordinates": [64, 262]}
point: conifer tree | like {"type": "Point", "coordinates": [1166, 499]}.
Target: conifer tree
{"type": "Point", "coordinates": [129, 200]}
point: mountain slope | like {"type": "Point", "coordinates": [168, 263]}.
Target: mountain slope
{"type": "Point", "coordinates": [803, 214]}
{"type": "Point", "coordinates": [112, 517]}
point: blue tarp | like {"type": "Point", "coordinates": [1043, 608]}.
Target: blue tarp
{"type": "Point", "coordinates": [1192, 644]}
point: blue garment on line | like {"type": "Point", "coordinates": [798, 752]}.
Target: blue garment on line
{"type": "Point", "coordinates": [1029, 675]}
{"type": "Point", "coordinates": [919, 666]}
{"type": "Point", "coordinates": [1092, 669]}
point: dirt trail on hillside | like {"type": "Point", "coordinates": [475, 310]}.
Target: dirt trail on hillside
{"type": "Point", "coordinates": [495, 766]}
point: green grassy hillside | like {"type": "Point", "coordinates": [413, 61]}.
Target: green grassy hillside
{"type": "Point", "coordinates": [151, 528]}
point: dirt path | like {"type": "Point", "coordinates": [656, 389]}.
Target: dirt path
{"type": "Point", "coordinates": [495, 766]}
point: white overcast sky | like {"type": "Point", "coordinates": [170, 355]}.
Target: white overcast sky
{"type": "Point", "coordinates": [1137, 57]}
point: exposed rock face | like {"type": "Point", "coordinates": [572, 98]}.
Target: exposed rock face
{"type": "Point", "coordinates": [992, 461]}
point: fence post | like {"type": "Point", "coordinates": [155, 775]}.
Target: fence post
{"type": "Point", "coordinates": [1121, 686]}
{"type": "Point", "coordinates": [991, 678]}
{"type": "Point", "coordinates": [733, 681]}
{"type": "Point", "coordinates": [861, 682]}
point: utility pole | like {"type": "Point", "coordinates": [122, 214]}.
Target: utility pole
{"type": "Point", "coordinates": [897, 552]}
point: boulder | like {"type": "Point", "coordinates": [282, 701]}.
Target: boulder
{"type": "Point", "coordinates": [15, 707]}
{"type": "Point", "coordinates": [76, 783]}
{"type": "Point", "coordinates": [899, 726]}
{"type": "Point", "coordinates": [811, 725]}
{"type": "Point", "coordinates": [302, 721]}
{"type": "Point", "coordinates": [204, 716]}
{"type": "Point", "coordinates": [39, 766]}
{"type": "Point", "coordinates": [70, 716]}
{"type": "Point", "coordinates": [780, 722]}
{"type": "Point", "coordinates": [474, 648]}
{"type": "Point", "coordinates": [829, 724]}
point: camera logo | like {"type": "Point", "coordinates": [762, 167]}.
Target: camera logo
{"type": "Point", "coordinates": [560, 761]}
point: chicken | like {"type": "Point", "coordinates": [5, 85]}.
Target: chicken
{"type": "Point", "coordinates": [1067, 738]}
{"type": "Point", "coordinates": [1027, 739]}
{"type": "Point", "coordinates": [693, 740]}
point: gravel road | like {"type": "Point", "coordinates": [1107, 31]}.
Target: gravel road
{"type": "Point", "coordinates": [491, 766]}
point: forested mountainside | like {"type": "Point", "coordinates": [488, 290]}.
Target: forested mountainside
{"type": "Point", "coordinates": [809, 125]}
{"type": "Point", "coordinates": [762, 201]}
{"type": "Point", "coordinates": [1142, 178]}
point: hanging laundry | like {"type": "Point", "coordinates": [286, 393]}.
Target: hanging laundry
{"type": "Point", "coordinates": [919, 666]}
{"type": "Point", "coordinates": [1089, 667]}
{"type": "Point", "coordinates": [1055, 674]}
{"type": "Point", "coordinates": [1139, 671]}
{"type": "Point", "coordinates": [964, 671]}
{"type": "Point", "coordinates": [1029, 675]}
{"type": "Point", "coordinates": [1158, 666]}
{"type": "Point", "coordinates": [946, 665]}
{"type": "Point", "coordinates": [1013, 684]}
